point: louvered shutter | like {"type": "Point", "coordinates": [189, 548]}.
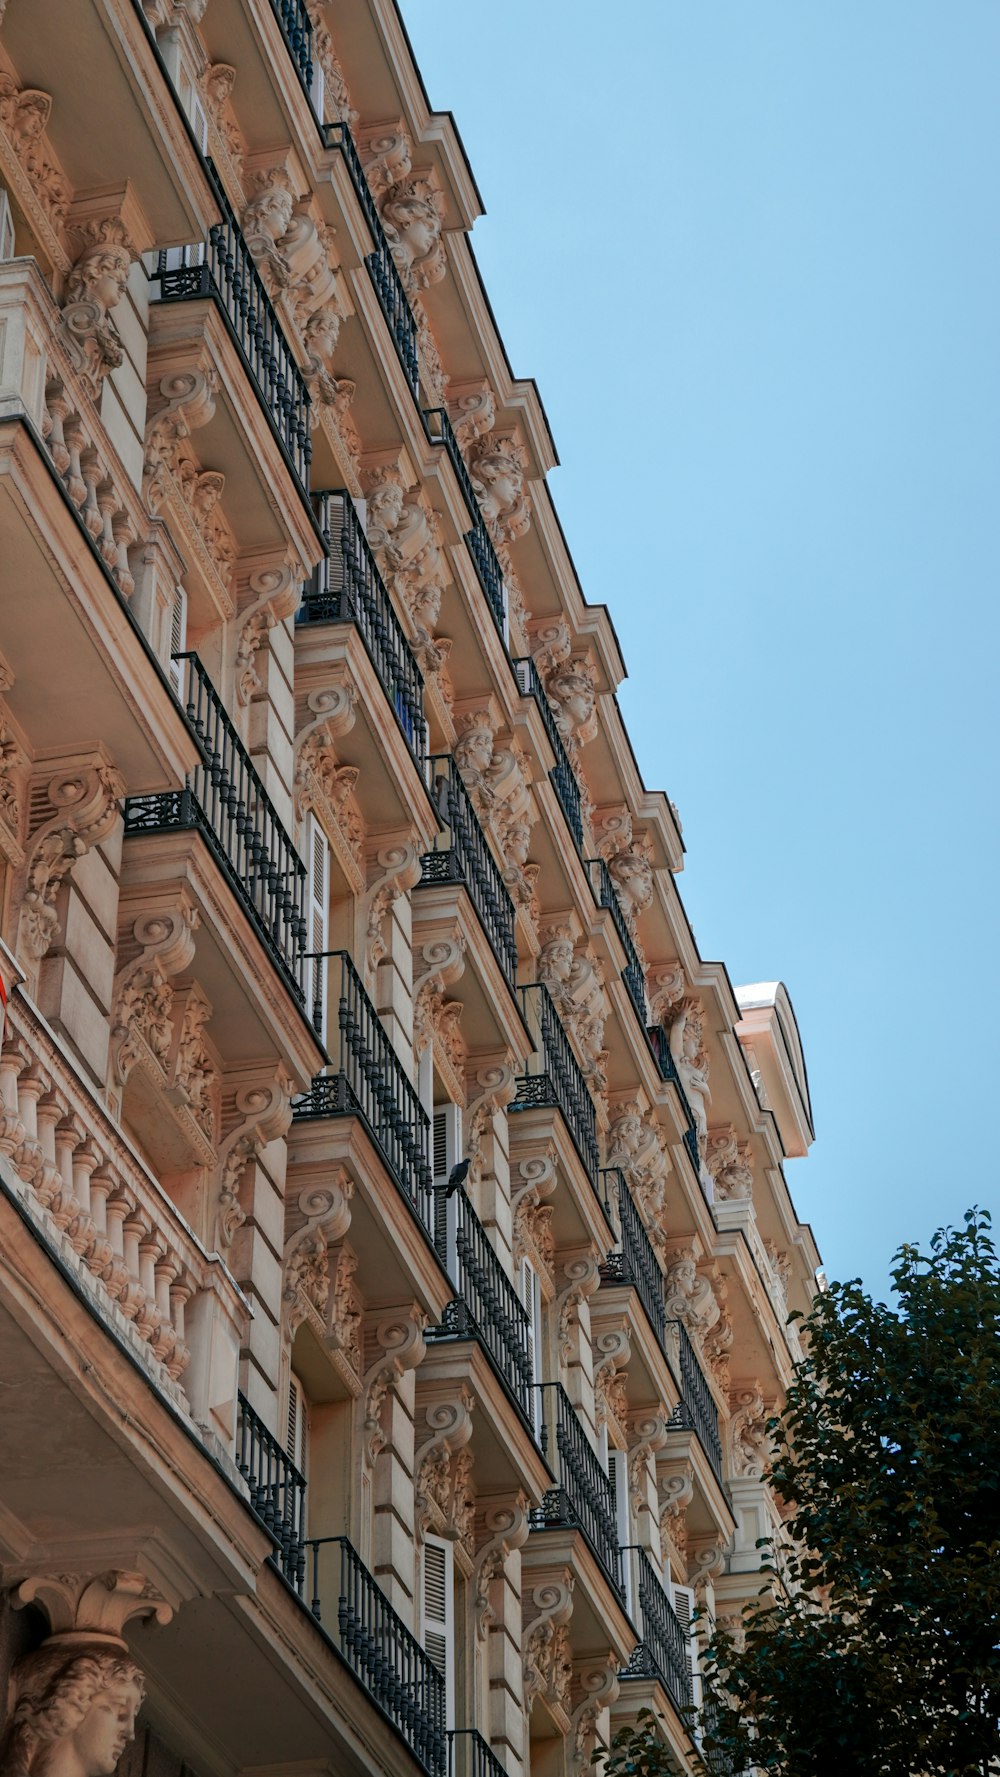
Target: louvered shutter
{"type": "Point", "coordinates": [683, 1600]}
{"type": "Point", "coordinates": [317, 854]}
{"type": "Point", "coordinates": [617, 1467]}
{"type": "Point", "coordinates": [530, 1293]}
{"type": "Point", "coordinates": [438, 1615]}
{"type": "Point", "coordinates": [446, 1151]}
{"type": "Point", "coordinates": [178, 638]}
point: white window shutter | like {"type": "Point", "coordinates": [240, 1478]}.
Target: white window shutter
{"type": "Point", "coordinates": [178, 638]}
{"type": "Point", "coordinates": [446, 1151]}
{"type": "Point", "coordinates": [317, 859]}
{"type": "Point", "coordinates": [6, 227]}
{"type": "Point", "coordinates": [437, 1614]}
{"type": "Point", "coordinates": [683, 1601]}
{"type": "Point", "coordinates": [296, 1441]}
{"type": "Point", "coordinates": [530, 1291]}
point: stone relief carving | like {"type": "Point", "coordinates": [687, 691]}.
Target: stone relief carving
{"type": "Point", "coordinates": [336, 97]}
{"type": "Point", "coordinates": [582, 1276]}
{"type": "Point", "coordinates": [413, 212]}
{"type": "Point", "coordinates": [405, 533]}
{"type": "Point", "coordinates": [575, 982]}
{"type": "Point", "coordinates": [74, 1711]}
{"type": "Point", "coordinates": [600, 1686]}
{"type": "Point", "coordinates": [85, 803]}
{"type": "Point", "coordinates": [506, 1528]}
{"type": "Point", "coordinates": [570, 682]}
{"type": "Point", "coordinates": [649, 1433]}
{"type": "Point", "coordinates": [612, 1350]}
{"type": "Point", "coordinates": [628, 854]}
{"type": "Point", "coordinates": [547, 1660]}
{"type": "Point", "coordinates": [532, 1216]}
{"type": "Point", "coordinates": [24, 117]}
{"type": "Point", "coordinates": [730, 1163]}
{"type": "Point", "coordinates": [321, 783]}
{"type": "Point", "coordinates": [689, 1295]}
{"type": "Point", "coordinates": [444, 1497]}
{"type": "Point", "coordinates": [676, 1493]}
{"type": "Point", "coordinates": [749, 1440]}
{"type": "Point", "coordinates": [12, 766]}
{"type": "Point", "coordinates": [781, 1266]}
{"type": "Point", "coordinates": [398, 1346]}
{"type": "Point", "coordinates": [142, 1024]}
{"type": "Point", "coordinates": [95, 286]}
{"type": "Point", "coordinates": [392, 873]}
{"type": "Point", "coordinates": [498, 468]}
{"type": "Point", "coordinates": [217, 84]}
{"type": "Point", "coordinates": [263, 1113]}
{"type": "Point", "coordinates": [637, 1148]}
{"type": "Point", "coordinates": [318, 1277]}
{"type": "Point", "coordinates": [275, 593]}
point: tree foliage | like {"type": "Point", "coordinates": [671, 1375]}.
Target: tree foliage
{"type": "Point", "coordinates": [873, 1647]}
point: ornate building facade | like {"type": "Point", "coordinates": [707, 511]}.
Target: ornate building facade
{"type": "Point", "coordinates": [326, 868]}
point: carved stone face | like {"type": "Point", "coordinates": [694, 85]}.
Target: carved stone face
{"type": "Point", "coordinates": [634, 877]}
{"type": "Point", "coordinates": [386, 505]}
{"type": "Point", "coordinates": [416, 224]}
{"type": "Point", "coordinates": [557, 959]}
{"type": "Point", "coordinates": [576, 694]}
{"type": "Point", "coordinates": [475, 749]}
{"type": "Point", "coordinates": [105, 1731]}
{"type": "Point", "coordinates": [503, 481]}
{"type": "Point", "coordinates": [102, 275]}
{"type": "Point", "coordinates": [518, 841]}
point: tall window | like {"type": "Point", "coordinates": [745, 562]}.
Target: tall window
{"type": "Point", "coordinates": [437, 1614]}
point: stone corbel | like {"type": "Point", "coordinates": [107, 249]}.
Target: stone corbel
{"type": "Point", "coordinates": [649, 1432]}
{"type": "Point", "coordinates": [142, 1024]}
{"type": "Point", "coordinates": [32, 168]}
{"type": "Point", "coordinates": [95, 1608]}
{"type": "Point", "coordinates": [264, 1113]}
{"type": "Point", "coordinates": [85, 800]}
{"type": "Point", "coordinates": [189, 397]}
{"type": "Point", "coordinates": [548, 1667]}
{"type": "Point", "coordinates": [399, 1341]}
{"type": "Point", "coordinates": [472, 409]}
{"type": "Point", "coordinates": [385, 150]}
{"type": "Point", "coordinates": [676, 1491]}
{"type": "Point", "coordinates": [443, 1496]}
{"type": "Point", "coordinates": [707, 1560]}
{"type": "Point", "coordinates": [507, 1529]}
{"type": "Point", "coordinates": [600, 1686]}
{"type": "Point", "coordinates": [314, 1221]}
{"type": "Point", "coordinates": [532, 1216]}
{"type": "Point", "coordinates": [394, 871]}
{"type": "Point", "coordinates": [583, 1277]}
{"type": "Point", "coordinates": [612, 1350]}
{"type": "Point", "coordinates": [321, 784]}
{"type": "Point", "coordinates": [108, 232]}
{"type": "Point", "coordinates": [493, 1088]}
{"type": "Point", "coordinates": [275, 596]}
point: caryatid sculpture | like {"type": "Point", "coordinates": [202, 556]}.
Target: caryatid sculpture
{"type": "Point", "coordinates": [74, 1711]}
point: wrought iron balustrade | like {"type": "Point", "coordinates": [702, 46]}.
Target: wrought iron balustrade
{"type": "Point", "coordinates": [469, 1755]}
{"type": "Point", "coordinates": [380, 263]}
{"type": "Point", "coordinates": [487, 1305]}
{"type": "Point", "coordinates": [562, 776]}
{"type": "Point", "coordinates": [662, 1652]}
{"type": "Point", "coordinates": [583, 1496]}
{"type": "Point", "coordinates": [390, 1662]}
{"type": "Point", "coordinates": [224, 269]}
{"type": "Point", "coordinates": [277, 1490]}
{"type": "Point", "coordinates": [366, 1079]}
{"type": "Point", "coordinates": [225, 800]}
{"type": "Point", "coordinates": [347, 587]}
{"type": "Point", "coordinates": [696, 1409]}
{"type": "Point", "coordinates": [606, 895]}
{"type": "Point", "coordinates": [464, 856]}
{"type": "Point", "coordinates": [659, 1042]}
{"type": "Point", "coordinates": [296, 27]}
{"type": "Point", "coordinates": [477, 540]}
{"type": "Point", "coordinates": [635, 1262]}
{"type": "Point", "coordinates": [559, 1079]}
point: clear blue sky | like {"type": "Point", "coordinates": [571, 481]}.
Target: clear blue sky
{"type": "Point", "coordinates": [751, 252]}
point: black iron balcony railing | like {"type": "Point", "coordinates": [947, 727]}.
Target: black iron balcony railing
{"type": "Point", "coordinates": [696, 1409]}
{"type": "Point", "coordinates": [296, 26]}
{"type": "Point", "coordinates": [366, 1079]}
{"type": "Point", "coordinates": [277, 1490]}
{"type": "Point", "coordinates": [477, 540]}
{"type": "Point", "coordinates": [224, 269]}
{"type": "Point", "coordinates": [558, 1079]}
{"type": "Point", "coordinates": [469, 1755]}
{"type": "Point", "coordinates": [562, 776]}
{"type": "Point", "coordinates": [381, 265]}
{"type": "Point", "coordinates": [583, 1496]}
{"type": "Point", "coordinates": [635, 1261]}
{"type": "Point", "coordinates": [659, 1042]}
{"type": "Point", "coordinates": [486, 1306]}
{"type": "Point", "coordinates": [461, 854]}
{"type": "Point", "coordinates": [390, 1662]}
{"type": "Point", "coordinates": [662, 1653]}
{"type": "Point", "coordinates": [225, 800]}
{"type": "Point", "coordinates": [347, 587]}
{"type": "Point", "coordinates": [606, 895]}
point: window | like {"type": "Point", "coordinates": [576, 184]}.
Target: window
{"type": "Point", "coordinates": [530, 1292]}
{"type": "Point", "coordinates": [437, 1615]}
{"type": "Point", "coordinates": [317, 860]}
{"type": "Point", "coordinates": [683, 1600]}
{"type": "Point", "coordinates": [446, 1151]}
{"type": "Point", "coordinates": [616, 1463]}
{"type": "Point", "coordinates": [178, 638]}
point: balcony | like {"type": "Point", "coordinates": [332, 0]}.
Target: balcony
{"type": "Point", "coordinates": [662, 1653]}
{"type": "Point", "coordinates": [225, 800]}
{"type": "Point", "coordinates": [380, 1650]}
{"type": "Point", "coordinates": [635, 1262]}
{"type": "Point", "coordinates": [606, 895]}
{"type": "Point", "coordinates": [562, 777]}
{"type": "Point", "coordinates": [583, 1497]}
{"type": "Point", "coordinates": [469, 1755]}
{"type": "Point", "coordinates": [659, 1042]}
{"type": "Point", "coordinates": [224, 270]}
{"type": "Point", "coordinates": [558, 1080]}
{"type": "Point", "coordinates": [296, 28]}
{"type": "Point", "coordinates": [696, 1410]}
{"type": "Point", "coordinates": [486, 1306]}
{"type": "Point", "coordinates": [277, 1491]}
{"type": "Point", "coordinates": [464, 856]}
{"type": "Point", "coordinates": [366, 1080]}
{"type": "Point", "coordinates": [347, 587]}
{"type": "Point", "coordinates": [477, 540]}
{"type": "Point", "coordinates": [380, 263]}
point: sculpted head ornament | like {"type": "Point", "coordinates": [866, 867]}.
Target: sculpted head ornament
{"type": "Point", "coordinates": [75, 1712]}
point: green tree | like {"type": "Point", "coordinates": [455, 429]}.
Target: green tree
{"type": "Point", "coordinates": [873, 1647]}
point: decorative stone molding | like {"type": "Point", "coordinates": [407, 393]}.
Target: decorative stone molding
{"type": "Point", "coordinates": [730, 1163]}
{"type": "Point", "coordinates": [217, 82]}
{"type": "Point", "coordinates": [628, 854]}
{"type": "Point", "coordinates": [24, 117]}
{"type": "Point", "coordinates": [667, 988]}
{"type": "Point", "coordinates": [189, 397]}
{"type": "Point", "coordinates": [706, 1562]}
{"type": "Point", "coordinates": [413, 211]}
{"type": "Point", "coordinates": [687, 1046]}
{"type": "Point", "coordinates": [498, 468]}
{"type": "Point", "coordinates": [336, 96]}
{"type": "Point", "coordinates": [399, 1346]}
{"type": "Point", "coordinates": [689, 1296]}
{"type": "Point", "coordinates": [332, 395]}
{"type": "Point", "coordinates": [781, 1266]}
{"type": "Point", "coordinates": [472, 409]}
{"type": "Point", "coordinates": [636, 1147]}
{"type": "Point", "coordinates": [546, 1658]}
{"type": "Point", "coordinates": [507, 1529]}
{"type": "Point", "coordinates": [405, 533]}
{"type": "Point", "coordinates": [582, 1277]}
{"type": "Point", "coordinates": [69, 438]}
{"type": "Point", "coordinates": [718, 1341]}
{"type": "Point", "coordinates": [649, 1433]}
{"type": "Point", "coordinates": [82, 1604]}
{"type": "Point", "coordinates": [612, 1349]}
{"type": "Point", "coordinates": [488, 1092]}
{"type": "Point", "coordinates": [600, 1686]}
{"type": "Point", "coordinates": [314, 1221]}
{"type": "Point", "coordinates": [749, 1440]}
{"type": "Point", "coordinates": [72, 811]}
{"type": "Point", "coordinates": [575, 980]}
{"type": "Point", "coordinates": [95, 286]}
{"type": "Point", "coordinates": [532, 1217]}
{"type": "Point", "coordinates": [676, 1491]}
{"type": "Point", "coordinates": [321, 783]}
{"type": "Point", "coordinates": [393, 872]}
{"type": "Point", "coordinates": [264, 1112]}
{"type": "Point", "coordinates": [275, 594]}
{"type": "Point", "coordinates": [443, 1493]}
{"type": "Point", "coordinates": [13, 768]}
{"type": "Point", "coordinates": [570, 682]}
{"type": "Point", "coordinates": [144, 1029]}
